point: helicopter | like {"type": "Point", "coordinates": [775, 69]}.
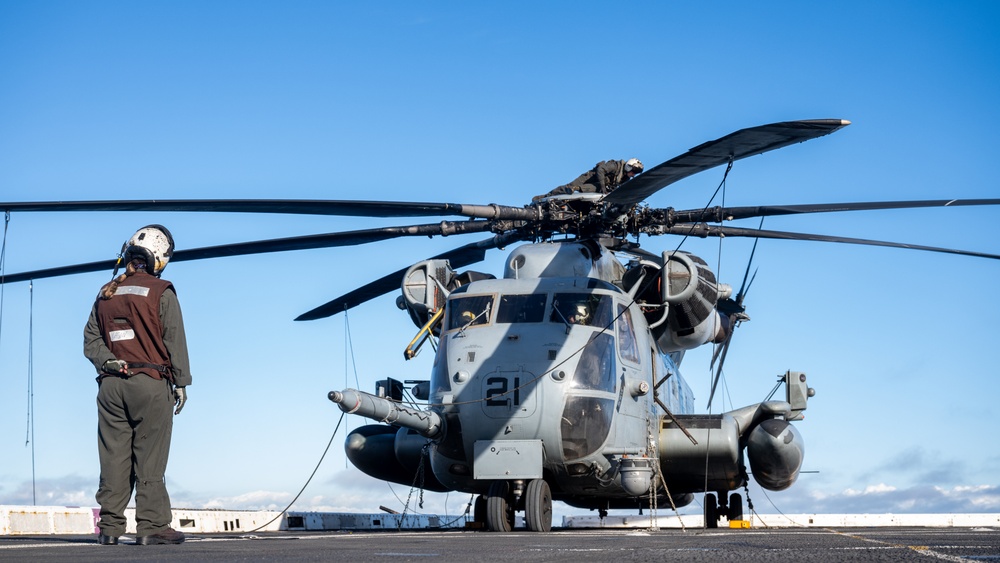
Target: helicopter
{"type": "Point", "coordinates": [560, 380]}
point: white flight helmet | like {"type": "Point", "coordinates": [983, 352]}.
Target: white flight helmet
{"type": "Point", "coordinates": [153, 244]}
{"type": "Point", "coordinates": [633, 164]}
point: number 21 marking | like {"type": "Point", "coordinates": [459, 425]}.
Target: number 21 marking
{"type": "Point", "coordinates": [497, 392]}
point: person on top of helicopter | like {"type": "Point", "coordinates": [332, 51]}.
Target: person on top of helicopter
{"type": "Point", "coordinates": [602, 178]}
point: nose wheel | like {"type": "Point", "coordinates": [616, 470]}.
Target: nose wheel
{"type": "Point", "coordinates": [538, 506]}
{"type": "Point", "coordinates": [499, 507]}
{"type": "Point", "coordinates": [535, 499]}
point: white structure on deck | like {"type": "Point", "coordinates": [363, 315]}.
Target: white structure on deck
{"type": "Point", "coordinates": [37, 520]}
{"type": "Point", "coordinates": [33, 520]}
{"type": "Point", "coordinates": [793, 521]}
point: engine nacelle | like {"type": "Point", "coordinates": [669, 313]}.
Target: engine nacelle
{"type": "Point", "coordinates": [775, 449]}
{"type": "Point", "coordinates": [426, 286]}
{"type": "Point", "coordinates": [422, 295]}
{"type": "Point", "coordinates": [682, 303]}
{"type": "Point", "coordinates": [691, 291]}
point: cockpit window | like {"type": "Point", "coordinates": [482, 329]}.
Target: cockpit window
{"type": "Point", "coordinates": [626, 336]}
{"type": "Point", "coordinates": [469, 311]}
{"type": "Point", "coordinates": [582, 309]}
{"type": "Point", "coordinates": [596, 368]}
{"type": "Point", "coordinates": [521, 308]}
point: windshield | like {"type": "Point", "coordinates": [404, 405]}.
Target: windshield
{"type": "Point", "coordinates": [469, 311]}
{"type": "Point", "coordinates": [581, 308]}
{"type": "Point", "coordinates": [521, 308]}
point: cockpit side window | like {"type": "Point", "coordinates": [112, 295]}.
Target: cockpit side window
{"type": "Point", "coordinates": [473, 310]}
{"type": "Point", "coordinates": [596, 368]}
{"type": "Point", "coordinates": [582, 308]}
{"type": "Point", "coordinates": [521, 308]}
{"type": "Point", "coordinates": [627, 346]}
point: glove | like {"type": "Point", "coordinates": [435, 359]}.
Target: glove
{"type": "Point", "coordinates": [115, 367]}
{"type": "Point", "coordinates": [180, 397]}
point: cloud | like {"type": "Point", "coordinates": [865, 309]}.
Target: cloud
{"type": "Point", "coordinates": [71, 490]}
{"type": "Point", "coordinates": [883, 498]}
{"type": "Point", "coordinates": [871, 489]}
{"type": "Point", "coordinates": [920, 467]}
{"type": "Point", "coordinates": [344, 491]}
{"type": "Point", "coordinates": [354, 492]}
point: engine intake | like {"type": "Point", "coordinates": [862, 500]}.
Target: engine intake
{"type": "Point", "coordinates": [681, 306]}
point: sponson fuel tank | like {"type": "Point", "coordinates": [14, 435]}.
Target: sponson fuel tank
{"type": "Point", "coordinates": [776, 450]}
{"type": "Point", "coordinates": [774, 447]}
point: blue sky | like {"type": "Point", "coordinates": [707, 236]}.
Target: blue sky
{"type": "Point", "coordinates": [479, 103]}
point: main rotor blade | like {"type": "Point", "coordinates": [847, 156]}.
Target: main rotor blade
{"type": "Point", "coordinates": [459, 257]}
{"type": "Point", "coordinates": [287, 206]}
{"type": "Point", "coordinates": [718, 372]}
{"type": "Point", "coordinates": [308, 242]}
{"type": "Point", "coordinates": [732, 147]}
{"type": "Point", "coordinates": [703, 230]}
{"type": "Point", "coordinates": [719, 214]}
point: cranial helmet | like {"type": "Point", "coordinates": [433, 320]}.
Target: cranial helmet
{"type": "Point", "coordinates": [153, 244]}
{"type": "Point", "coordinates": [633, 164]}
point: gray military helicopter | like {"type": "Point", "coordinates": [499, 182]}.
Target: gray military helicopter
{"type": "Point", "coordinates": [560, 380]}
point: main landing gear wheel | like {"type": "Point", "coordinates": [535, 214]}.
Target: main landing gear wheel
{"type": "Point", "coordinates": [711, 511]}
{"type": "Point", "coordinates": [538, 506]}
{"type": "Point", "coordinates": [735, 511]}
{"type": "Point", "coordinates": [479, 510]}
{"type": "Point", "coordinates": [499, 511]}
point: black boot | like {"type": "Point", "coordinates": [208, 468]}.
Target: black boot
{"type": "Point", "coordinates": [107, 540]}
{"type": "Point", "coordinates": [168, 535]}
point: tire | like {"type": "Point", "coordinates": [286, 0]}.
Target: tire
{"type": "Point", "coordinates": [499, 512]}
{"type": "Point", "coordinates": [735, 511]}
{"type": "Point", "coordinates": [479, 510]}
{"type": "Point", "coordinates": [538, 506]}
{"type": "Point", "coordinates": [711, 511]}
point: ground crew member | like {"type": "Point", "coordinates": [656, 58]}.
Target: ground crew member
{"type": "Point", "coordinates": [135, 338]}
{"type": "Point", "coordinates": [603, 178]}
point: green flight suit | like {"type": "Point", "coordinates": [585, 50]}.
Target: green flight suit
{"type": "Point", "coordinates": [135, 422]}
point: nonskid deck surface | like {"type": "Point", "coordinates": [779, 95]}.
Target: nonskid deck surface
{"type": "Point", "coordinates": [775, 544]}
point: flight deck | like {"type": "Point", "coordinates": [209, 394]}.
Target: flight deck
{"type": "Point", "coordinates": [774, 544]}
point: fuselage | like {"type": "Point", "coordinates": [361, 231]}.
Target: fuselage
{"type": "Point", "coordinates": [565, 360]}
{"type": "Point", "coordinates": [556, 374]}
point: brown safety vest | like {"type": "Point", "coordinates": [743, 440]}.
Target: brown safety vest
{"type": "Point", "coordinates": [130, 325]}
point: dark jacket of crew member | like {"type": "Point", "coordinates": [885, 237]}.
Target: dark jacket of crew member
{"type": "Point", "coordinates": [603, 178]}
{"type": "Point", "coordinates": [132, 327]}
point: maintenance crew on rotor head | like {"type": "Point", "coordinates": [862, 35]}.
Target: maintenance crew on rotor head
{"type": "Point", "coordinates": [603, 178]}
{"type": "Point", "coordinates": [135, 338]}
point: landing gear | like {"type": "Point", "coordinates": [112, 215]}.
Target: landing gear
{"type": "Point", "coordinates": [735, 511]}
{"type": "Point", "coordinates": [538, 506]}
{"type": "Point", "coordinates": [711, 511]}
{"type": "Point", "coordinates": [499, 510]}
{"type": "Point", "coordinates": [479, 510]}
{"type": "Point", "coordinates": [504, 498]}
{"type": "Point", "coordinates": [715, 509]}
